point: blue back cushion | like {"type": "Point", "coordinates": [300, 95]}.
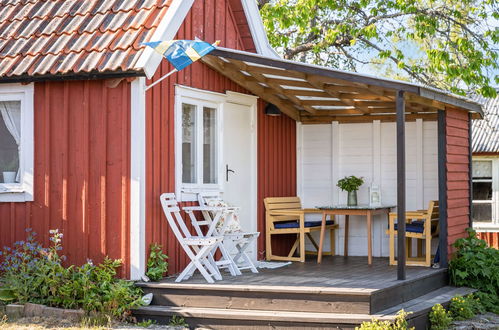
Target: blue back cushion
{"type": "Point", "coordinates": [294, 224]}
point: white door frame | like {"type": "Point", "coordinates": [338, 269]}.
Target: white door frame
{"type": "Point", "coordinates": [252, 102]}
{"type": "Point", "coordinates": [229, 97]}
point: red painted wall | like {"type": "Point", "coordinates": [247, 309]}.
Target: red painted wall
{"type": "Point", "coordinates": [457, 134]}
{"type": "Point", "coordinates": [276, 135]}
{"type": "Point", "coordinates": [276, 171]}
{"type": "Point", "coordinates": [82, 172]}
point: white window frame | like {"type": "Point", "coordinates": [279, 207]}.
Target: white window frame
{"type": "Point", "coordinates": [188, 191]}
{"type": "Point", "coordinates": [22, 191]}
{"type": "Point", "coordinates": [494, 225]}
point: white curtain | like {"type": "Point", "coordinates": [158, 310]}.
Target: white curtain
{"type": "Point", "coordinates": [11, 114]}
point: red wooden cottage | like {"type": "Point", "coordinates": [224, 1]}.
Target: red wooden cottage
{"type": "Point", "coordinates": [87, 149]}
{"type": "Point", "coordinates": [485, 173]}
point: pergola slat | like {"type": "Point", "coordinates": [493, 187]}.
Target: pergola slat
{"type": "Point", "coordinates": [342, 96]}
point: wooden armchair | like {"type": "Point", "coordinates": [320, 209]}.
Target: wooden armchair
{"type": "Point", "coordinates": [420, 225]}
{"type": "Point", "coordinates": [284, 215]}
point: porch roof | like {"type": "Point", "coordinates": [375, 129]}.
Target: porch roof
{"type": "Point", "coordinates": [317, 94]}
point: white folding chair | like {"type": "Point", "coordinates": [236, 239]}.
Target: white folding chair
{"type": "Point", "coordinates": [226, 260]}
{"type": "Point", "coordinates": [198, 249]}
{"type": "Point", "coordinates": [238, 240]}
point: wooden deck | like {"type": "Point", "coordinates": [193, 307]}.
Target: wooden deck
{"type": "Point", "coordinates": [334, 272]}
{"type": "Point", "coordinates": [339, 293]}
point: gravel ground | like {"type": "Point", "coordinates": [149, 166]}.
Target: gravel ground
{"type": "Point", "coordinates": [486, 321]}
{"type": "Point", "coordinates": [38, 323]}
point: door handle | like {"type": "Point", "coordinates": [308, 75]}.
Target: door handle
{"type": "Point", "coordinates": [227, 170]}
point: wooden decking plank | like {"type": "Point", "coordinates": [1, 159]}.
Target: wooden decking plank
{"type": "Point", "coordinates": [334, 273]}
{"type": "Point", "coordinates": [281, 316]}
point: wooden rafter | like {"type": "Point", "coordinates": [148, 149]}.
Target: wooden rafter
{"type": "Point", "coordinates": [270, 82]}
{"type": "Point", "coordinates": [252, 85]}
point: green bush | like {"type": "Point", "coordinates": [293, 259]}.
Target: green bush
{"type": "Point", "coordinates": [440, 319]}
{"type": "Point", "coordinates": [400, 323]}
{"type": "Point", "coordinates": [156, 263]}
{"type": "Point", "coordinates": [464, 308]}
{"type": "Point", "coordinates": [36, 274]}
{"type": "Point", "coordinates": [475, 265]}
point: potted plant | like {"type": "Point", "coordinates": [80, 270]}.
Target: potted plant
{"type": "Point", "coordinates": [351, 184]}
{"type": "Point", "coordinates": [10, 170]}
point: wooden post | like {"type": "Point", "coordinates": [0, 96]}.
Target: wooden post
{"type": "Point", "coordinates": [442, 187]}
{"type": "Point", "coordinates": [400, 104]}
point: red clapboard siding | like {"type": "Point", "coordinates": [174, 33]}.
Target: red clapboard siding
{"type": "Point", "coordinates": [276, 148]}
{"type": "Point", "coordinates": [276, 171]}
{"type": "Point", "coordinates": [81, 171]}
{"type": "Point", "coordinates": [457, 135]}
{"type": "Point", "coordinates": [492, 239]}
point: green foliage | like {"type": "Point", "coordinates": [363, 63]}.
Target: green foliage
{"type": "Point", "coordinates": [464, 308]}
{"type": "Point", "coordinates": [37, 275]}
{"type": "Point", "coordinates": [475, 265]}
{"type": "Point", "coordinates": [156, 264]}
{"type": "Point", "coordinates": [400, 323]}
{"type": "Point", "coordinates": [177, 321]}
{"type": "Point", "coordinates": [146, 323]}
{"type": "Point", "coordinates": [440, 319]}
{"type": "Point", "coordinates": [447, 44]}
{"type": "Point", "coordinates": [7, 294]}
{"type": "Point", "coordinates": [350, 183]}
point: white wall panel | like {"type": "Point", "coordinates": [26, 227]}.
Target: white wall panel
{"type": "Point", "coordinates": [330, 152]}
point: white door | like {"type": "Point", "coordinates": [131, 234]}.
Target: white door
{"type": "Point", "coordinates": [239, 166]}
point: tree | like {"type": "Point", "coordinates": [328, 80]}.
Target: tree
{"type": "Point", "coordinates": [448, 44]}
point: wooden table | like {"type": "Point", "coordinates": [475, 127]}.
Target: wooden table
{"type": "Point", "coordinates": [364, 210]}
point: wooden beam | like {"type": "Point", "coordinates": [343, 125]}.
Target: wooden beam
{"type": "Point", "coordinates": [270, 82]}
{"type": "Point", "coordinates": [302, 92]}
{"type": "Point", "coordinates": [317, 83]}
{"type": "Point", "coordinates": [413, 98]}
{"type": "Point", "coordinates": [400, 104]}
{"type": "Point", "coordinates": [293, 83]}
{"type": "Point", "coordinates": [274, 71]}
{"type": "Point", "coordinates": [252, 85]}
{"type": "Point", "coordinates": [363, 118]}
{"type": "Point", "coordinates": [388, 111]}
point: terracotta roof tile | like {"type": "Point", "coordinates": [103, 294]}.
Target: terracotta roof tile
{"type": "Point", "coordinates": [39, 37]}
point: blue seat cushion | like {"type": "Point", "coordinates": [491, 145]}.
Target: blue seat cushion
{"type": "Point", "coordinates": [414, 227]}
{"type": "Point", "coordinates": [294, 224]}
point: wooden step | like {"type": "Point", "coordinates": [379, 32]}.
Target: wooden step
{"type": "Point", "coordinates": [221, 318]}
{"type": "Point", "coordinates": [293, 298]}
{"type": "Point", "coordinates": [240, 297]}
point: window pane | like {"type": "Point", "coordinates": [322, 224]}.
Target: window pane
{"type": "Point", "coordinates": [210, 145]}
{"type": "Point", "coordinates": [482, 191]}
{"type": "Point", "coordinates": [188, 143]}
{"type": "Point", "coordinates": [482, 212]}
{"type": "Point", "coordinates": [482, 169]}
{"type": "Point", "coordinates": [10, 138]}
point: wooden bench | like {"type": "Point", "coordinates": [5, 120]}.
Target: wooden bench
{"type": "Point", "coordinates": [420, 225]}
{"type": "Point", "coordinates": [285, 215]}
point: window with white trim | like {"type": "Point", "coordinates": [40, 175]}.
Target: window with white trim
{"type": "Point", "coordinates": [198, 151]}
{"type": "Point", "coordinates": [485, 182]}
{"type": "Point", "coordinates": [16, 143]}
